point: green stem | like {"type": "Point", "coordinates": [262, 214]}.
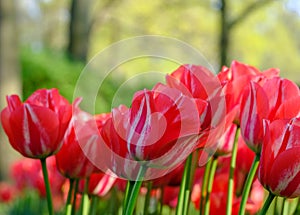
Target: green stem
{"type": "Point", "coordinates": [248, 184]}
{"type": "Point", "coordinates": [275, 205]}
{"type": "Point", "coordinates": [126, 195]}
{"type": "Point", "coordinates": [231, 173]}
{"type": "Point", "coordinates": [297, 210]}
{"type": "Point", "coordinates": [94, 203]}
{"type": "Point", "coordinates": [147, 197]}
{"type": "Point", "coordinates": [184, 186]}
{"type": "Point", "coordinates": [134, 192]}
{"type": "Point", "coordinates": [190, 180]}
{"type": "Point", "coordinates": [75, 197]}
{"type": "Point", "coordinates": [84, 206]}
{"type": "Point", "coordinates": [69, 198]}
{"type": "Point", "coordinates": [267, 204]}
{"type": "Point", "coordinates": [204, 185]}
{"type": "Point", "coordinates": [47, 186]}
{"type": "Point", "coordinates": [210, 184]}
{"type": "Point", "coordinates": [284, 208]}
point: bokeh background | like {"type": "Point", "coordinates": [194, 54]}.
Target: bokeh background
{"type": "Point", "coordinates": [47, 43]}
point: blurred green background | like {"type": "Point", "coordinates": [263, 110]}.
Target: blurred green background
{"type": "Point", "coordinates": [47, 43]}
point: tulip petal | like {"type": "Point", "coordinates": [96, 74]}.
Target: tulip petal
{"type": "Point", "coordinates": [254, 108]}
{"type": "Point", "coordinates": [278, 91]}
{"type": "Point", "coordinates": [286, 174]}
{"type": "Point", "coordinates": [37, 133]}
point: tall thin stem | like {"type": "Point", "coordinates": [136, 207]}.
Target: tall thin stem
{"type": "Point", "coordinates": [126, 195]}
{"type": "Point", "coordinates": [84, 206]}
{"type": "Point", "coordinates": [275, 205]}
{"type": "Point", "coordinates": [184, 186]}
{"type": "Point", "coordinates": [47, 186]}
{"type": "Point", "coordinates": [231, 173]}
{"type": "Point", "coordinates": [210, 184]}
{"type": "Point", "coordinates": [248, 184]}
{"type": "Point", "coordinates": [75, 197]}
{"type": "Point", "coordinates": [94, 204]}
{"type": "Point", "coordinates": [285, 207]}
{"type": "Point", "coordinates": [267, 204]}
{"type": "Point", "coordinates": [134, 192]}
{"type": "Point", "coordinates": [69, 198]}
{"type": "Point", "coordinates": [204, 185]}
{"type": "Point", "coordinates": [297, 210]}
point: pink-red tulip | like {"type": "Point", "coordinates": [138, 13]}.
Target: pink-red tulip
{"type": "Point", "coordinates": [283, 97]}
{"type": "Point", "coordinates": [279, 170]}
{"type": "Point", "coordinates": [99, 184]}
{"type": "Point", "coordinates": [203, 86]}
{"type": "Point", "coordinates": [276, 99]}
{"type": "Point", "coordinates": [72, 161]}
{"type": "Point", "coordinates": [237, 77]}
{"type": "Point", "coordinates": [36, 127]}
{"type": "Point", "coordinates": [254, 108]}
{"type": "Point", "coordinates": [153, 127]}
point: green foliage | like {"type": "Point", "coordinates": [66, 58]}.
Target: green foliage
{"type": "Point", "coordinates": [49, 69]}
{"type": "Point", "coordinates": [29, 203]}
{"type": "Point", "coordinates": [46, 69]}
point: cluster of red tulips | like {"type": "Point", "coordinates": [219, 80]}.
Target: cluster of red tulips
{"type": "Point", "coordinates": [203, 141]}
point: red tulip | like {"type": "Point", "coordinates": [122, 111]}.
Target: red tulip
{"type": "Point", "coordinates": [254, 108]}
{"type": "Point", "coordinates": [237, 77]}
{"type": "Point", "coordinates": [99, 184]}
{"type": "Point", "coordinates": [194, 81]}
{"type": "Point", "coordinates": [280, 161]}
{"type": "Point", "coordinates": [283, 97]}
{"type": "Point", "coordinates": [160, 126]}
{"type": "Point", "coordinates": [36, 127]}
{"type": "Point", "coordinates": [276, 99]}
{"type": "Point", "coordinates": [72, 161]}
{"type": "Point", "coordinates": [203, 86]}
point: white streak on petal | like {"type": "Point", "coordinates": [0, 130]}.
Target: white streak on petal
{"type": "Point", "coordinates": [26, 133]}
{"type": "Point", "coordinates": [104, 185]}
{"type": "Point", "coordinates": [287, 177]}
{"type": "Point", "coordinates": [44, 138]}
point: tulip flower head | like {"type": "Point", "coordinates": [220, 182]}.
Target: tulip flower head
{"type": "Point", "coordinates": [72, 161]}
{"type": "Point", "coordinates": [280, 162]}
{"type": "Point", "coordinates": [160, 126]}
{"type": "Point", "coordinates": [254, 108]}
{"type": "Point", "coordinates": [36, 127]}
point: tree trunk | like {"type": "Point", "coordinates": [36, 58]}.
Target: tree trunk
{"type": "Point", "coordinates": [224, 35]}
{"type": "Point", "coordinates": [227, 25]}
{"type": "Point", "coordinates": [10, 79]}
{"type": "Point", "coordinates": [79, 29]}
